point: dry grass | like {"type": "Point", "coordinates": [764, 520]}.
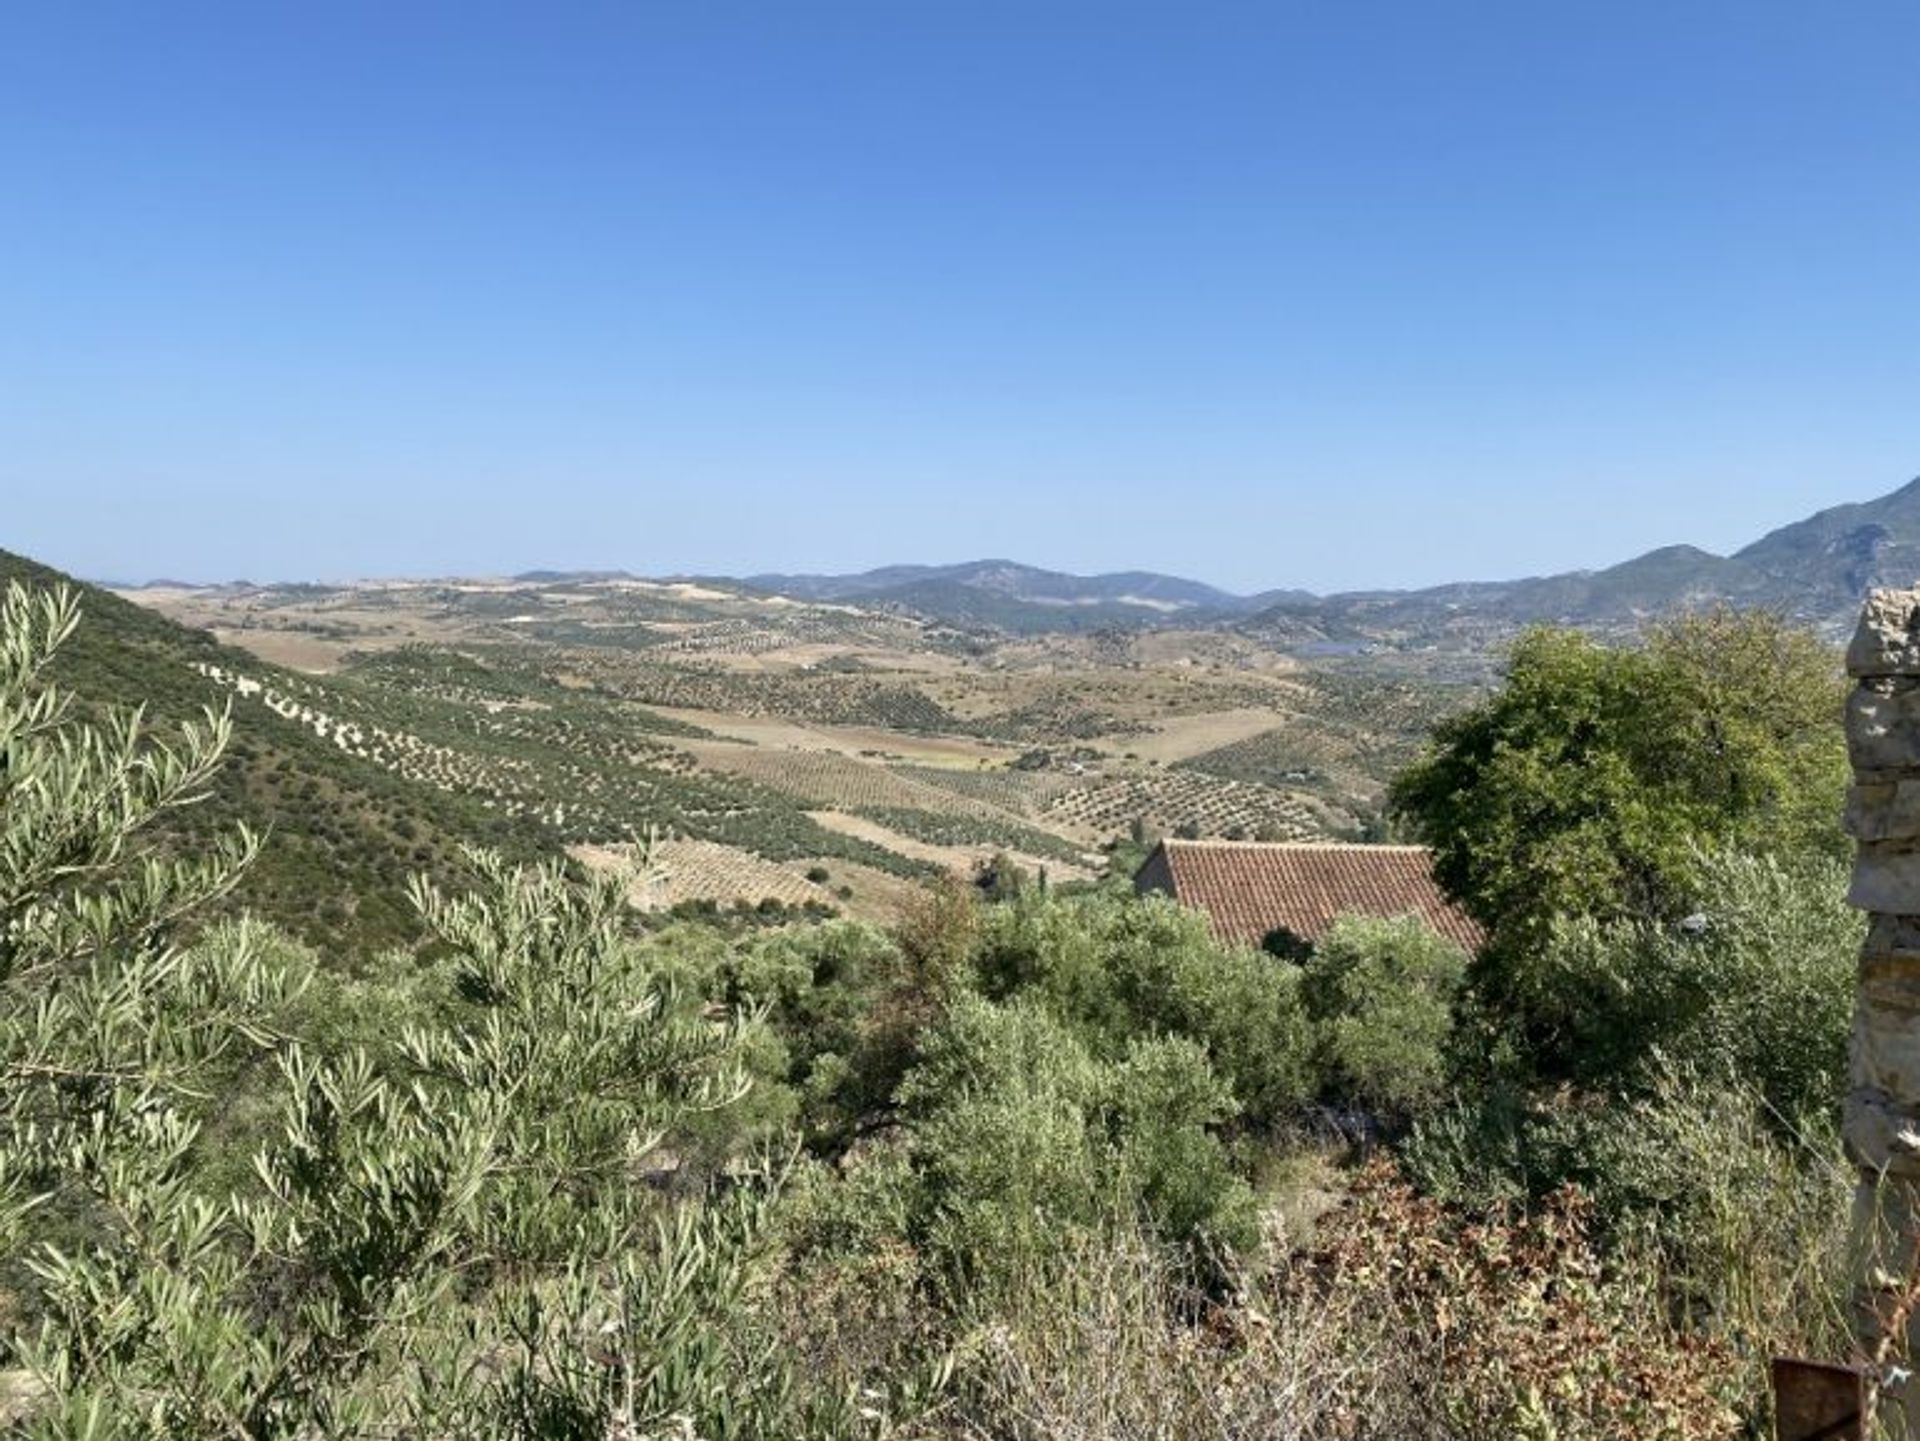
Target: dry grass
{"type": "Point", "coordinates": [1107, 1355]}
{"type": "Point", "coordinates": [877, 896]}
{"type": "Point", "coordinates": [1408, 1322]}
{"type": "Point", "coordinates": [1178, 737]}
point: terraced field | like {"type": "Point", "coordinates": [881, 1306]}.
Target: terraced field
{"type": "Point", "coordinates": [958, 859]}
{"type": "Point", "coordinates": [811, 697]}
{"type": "Point", "coordinates": [971, 832]}
{"type": "Point", "coordinates": [1343, 736]}
{"type": "Point", "coordinates": [1022, 793]}
{"type": "Point", "coordinates": [579, 772]}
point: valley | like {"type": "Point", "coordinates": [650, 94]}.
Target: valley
{"type": "Point", "coordinates": [863, 746]}
{"type": "Point", "coordinates": [868, 731]}
{"type": "Point", "coordinates": [874, 730]}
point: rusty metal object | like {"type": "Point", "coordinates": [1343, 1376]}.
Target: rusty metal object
{"type": "Point", "coordinates": [1817, 1402]}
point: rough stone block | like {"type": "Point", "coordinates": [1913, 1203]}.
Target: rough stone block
{"type": "Point", "coordinates": [1882, 1136]}
{"type": "Point", "coordinates": [1886, 1045]}
{"type": "Point", "coordinates": [1886, 811]}
{"type": "Point", "coordinates": [1892, 939]}
{"type": "Point", "coordinates": [1883, 726]}
{"type": "Point", "coordinates": [1886, 879]}
{"type": "Point", "coordinates": [1888, 640]}
{"type": "Point", "coordinates": [1892, 981]}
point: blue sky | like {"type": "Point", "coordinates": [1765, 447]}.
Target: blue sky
{"type": "Point", "coordinates": [1331, 295]}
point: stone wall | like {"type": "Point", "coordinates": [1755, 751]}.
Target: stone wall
{"type": "Point", "coordinates": [1883, 1100]}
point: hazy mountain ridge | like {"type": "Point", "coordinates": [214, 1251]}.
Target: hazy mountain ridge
{"type": "Point", "coordinates": [1816, 569]}
{"type": "Point", "coordinates": [1007, 595]}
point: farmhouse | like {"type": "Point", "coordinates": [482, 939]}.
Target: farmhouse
{"type": "Point", "coordinates": [1251, 890]}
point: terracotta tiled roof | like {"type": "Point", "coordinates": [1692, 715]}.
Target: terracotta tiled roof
{"type": "Point", "coordinates": [1249, 890]}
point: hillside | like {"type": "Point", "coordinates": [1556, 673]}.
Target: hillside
{"type": "Point", "coordinates": [1021, 599]}
{"type": "Point", "coordinates": [867, 744]}
{"type": "Point", "coordinates": [1815, 570]}
{"type": "Point", "coordinates": [342, 838]}
{"type": "Point", "coordinates": [826, 740]}
{"type": "Point", "coordinates": [1831, 559]}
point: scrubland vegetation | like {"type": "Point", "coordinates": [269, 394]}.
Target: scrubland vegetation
{"type": "Point", "coordinates": [1052, 1165]}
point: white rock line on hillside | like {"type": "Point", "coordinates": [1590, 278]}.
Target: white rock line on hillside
{"type": "Point", "coordinates": [397, 751]}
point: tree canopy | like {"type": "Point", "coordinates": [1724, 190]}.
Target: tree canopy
{"type": "Point", "coordinates": [1593, 780]}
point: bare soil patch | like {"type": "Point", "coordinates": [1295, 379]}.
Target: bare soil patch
{"type": "Point", "coordinates": [1178, 737]}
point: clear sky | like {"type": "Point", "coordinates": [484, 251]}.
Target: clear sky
{"type": "Point", "coordinates": [1319, 294]}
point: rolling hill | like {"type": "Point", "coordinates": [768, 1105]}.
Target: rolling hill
{"type": "Point", "coordinates": [342, 837]}
{"type": "Point", "coordinates": [1006, 595]}
{"type": "Point", "coordinates": [1816, 570]}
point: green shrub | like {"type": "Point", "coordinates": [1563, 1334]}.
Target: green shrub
{"type": "Point", "coordinates": [1756, 987]}
{"type": "Point", "coordinates": [1381, 994]}
{"type": "Point", "coordinates": [819, 985]}
{"type": "Point", "coordinates": [1588, 784]}
{"type": "Point", "coordinates": [1022, 1138]}
{"type": "Point", "coordinates": [1163, 1107]}
{"type": "Point", "coordinates": [1114, 967]}
{"type": "Point", "coordinates": [1001, 1110]}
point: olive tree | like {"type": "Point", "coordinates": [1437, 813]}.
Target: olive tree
{"type": "Point", "coordinates": [449, 1232]}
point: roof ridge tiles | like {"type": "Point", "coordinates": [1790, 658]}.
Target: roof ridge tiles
{"type": "Point", "coordinates": [1219, 843]}
{"type": "Point", "coordinates": [1249, 889]}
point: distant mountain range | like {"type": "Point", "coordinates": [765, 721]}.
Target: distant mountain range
{"type": "Point", "coordinates": [1009, 596]}
{"type": "Point", "coordinates": [1816, 570]}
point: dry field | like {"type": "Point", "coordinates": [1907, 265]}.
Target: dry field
{"type": "Point", "coordinates": [860, 742]}
{"type": "Point", "coordinates": [704, 871]}
{"type": "Point", "coordinates": [960, 860]}
{"type": "Point", "coordinates": [1179, 737]}
{"type": "Point", "coordinates": [297, 629]}
{"type": "Point", "coordinates": [729, 876]}
{"type": "Point", "coordinates": [823, 777]}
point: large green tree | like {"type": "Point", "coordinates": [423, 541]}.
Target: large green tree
{"type": "Point", "coordinates": [1591, 783]}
